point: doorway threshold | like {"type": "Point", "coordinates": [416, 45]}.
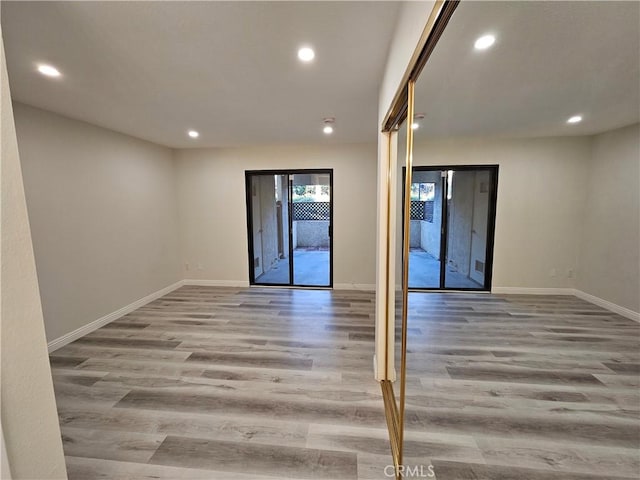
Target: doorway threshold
{"type": "Point", "coordinates": [292, 287]}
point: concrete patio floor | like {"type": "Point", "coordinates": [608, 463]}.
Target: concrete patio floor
{"type": "Point", "coordinates": [424, 272]}
{"type": "Point", "coordinates": [310, 267]}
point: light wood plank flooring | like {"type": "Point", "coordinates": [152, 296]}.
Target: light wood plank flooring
{"type": "Point", "coordinates": [217, 383]}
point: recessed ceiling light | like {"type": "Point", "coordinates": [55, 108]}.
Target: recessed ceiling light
{"type": "Point", "coordinates": [306, 54]}
{"type": "Point", "coordinates": [328, 125]}
{"type": "Point", "coordinates": [416, 125]}
{"type": "Point", "coordinates": [49, 71]}
{"type": "Point", "coordinates": [193, 134]}
{"type": "Point", "coordinates": [484, 42]}
{"type": "Point", "coordinates": [575, 119]}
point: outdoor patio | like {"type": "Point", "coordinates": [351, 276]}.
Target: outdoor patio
{"type": "Point", "coordinates": [311, 267]}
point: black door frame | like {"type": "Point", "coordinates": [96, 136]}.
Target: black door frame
{"type": "Point", "coordinates": [444, 227]}
{"type": "Point", "coordinates": [288, 172]}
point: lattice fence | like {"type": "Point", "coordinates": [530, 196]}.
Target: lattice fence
{"type": "Point", "coordinates": [311, 210]}
{"type": "Point", "coordinates": [421, 210]}
{"type": "Point", "coordinates": [417, 210]}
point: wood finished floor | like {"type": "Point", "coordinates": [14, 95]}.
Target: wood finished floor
{"type": "Point", "coordinates": [217, 383]}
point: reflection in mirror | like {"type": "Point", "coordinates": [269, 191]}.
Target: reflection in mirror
{"type": "Point", "coordinates": [505, 109]}
{"type": "Point", "coordinates": [535, 76]}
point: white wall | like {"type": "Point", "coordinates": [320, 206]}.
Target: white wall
{"type": "Point", "coordinates": [213, 217]}
{"type": "Point", "coordinates": [609, 253]}
{"type": "Point", "coordinates": [103, 214]}
{"type": "Point", "coordinates": [541, 194]}
{"type": "Point", "coordinates": [29, 419]}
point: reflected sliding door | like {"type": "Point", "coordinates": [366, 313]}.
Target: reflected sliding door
{"type": "Point", "coordinates": [470, 218]}
{"type": "Point", "coordinates": [289, 226]}
{"type": "Point", "coordinates": [452, 227]}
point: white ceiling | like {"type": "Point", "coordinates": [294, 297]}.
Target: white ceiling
{"type": "Point", "coordinates": [551, 60]}
{"type": "Point", "coordinates": [227, 69]}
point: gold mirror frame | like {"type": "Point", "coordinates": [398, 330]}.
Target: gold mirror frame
{"type": "Point", "coordinates": [394, 413]}
{"type": "Point", "coordinates": [402, 108]}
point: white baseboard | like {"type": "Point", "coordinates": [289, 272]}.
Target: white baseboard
{"type": "Point", "coordinates": [625, 312]}
{"type": "Point", "coordinates": [369, 287]}
{"type": "Point", "coordinates": [620, 310]}
{"type": "Point", "coordinates": [90, 327]}
{"type": "Point", "coordinates": [533, 291]}
{"type": "Point", "coordinates": [216, 283]}
{"type": "Point", "coordinates": [245, 283]}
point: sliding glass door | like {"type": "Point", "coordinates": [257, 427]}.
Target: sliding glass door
{"type": "Point", "coordinates": [452, 225]}
{"type": "Point", "coordinates": [311, 228]}
{"type": "Point", "coordinates": [271, 258]}
{"type": "Point", "coordinates": [289, 226]}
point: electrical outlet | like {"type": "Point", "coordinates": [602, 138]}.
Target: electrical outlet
{"type": "Point", "coordinates": [186, 266]}
{"type": "Point", "coordinates": [200, 266]}
{"type": "Point", "coordinates": [570, 273]}
{"type": "Point", "coordinates": [553, 272]}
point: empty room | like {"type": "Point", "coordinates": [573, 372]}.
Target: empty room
{"type": "Point", "coordinates": [320, 240]}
